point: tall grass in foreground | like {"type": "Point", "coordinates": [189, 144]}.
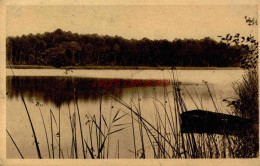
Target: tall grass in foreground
{"type": "Point", "coordinates": [245, 104]}
{"type": "Point", "coordinates": [163, 135]}
{"type": "Point", "coordinates": [166, 139]}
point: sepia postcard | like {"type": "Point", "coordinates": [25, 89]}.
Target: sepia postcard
{"type": "Point", "coordinates": [129, 83]}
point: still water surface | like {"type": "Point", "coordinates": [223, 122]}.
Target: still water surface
{"type": "Point", "coordinates": [45, 89]}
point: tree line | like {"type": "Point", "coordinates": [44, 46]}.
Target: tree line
{"type": "Point", "coordinates": [60, 48]}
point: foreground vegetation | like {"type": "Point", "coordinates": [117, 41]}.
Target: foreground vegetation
{"type": "Point", "coordinates": [245, 103]}
{"type": "Point", "coordinates": [91, 134]}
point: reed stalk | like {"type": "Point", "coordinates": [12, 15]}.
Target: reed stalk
{"type": "Point", "coordinates": [46, 135]}
{"type": "Point", "coordinates": [32, 127]}
{"type": "Point", "coordinates": [15, 144]}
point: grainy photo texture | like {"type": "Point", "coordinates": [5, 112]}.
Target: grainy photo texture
{"type": "Point", "coordinates": [137, 82]}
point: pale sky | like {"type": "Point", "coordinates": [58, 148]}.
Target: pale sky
{"type": "Point", "coordinates": [153, 22]}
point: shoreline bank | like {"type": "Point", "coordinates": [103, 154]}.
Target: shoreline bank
{"type": "Point", "coordinates": [120, 67]}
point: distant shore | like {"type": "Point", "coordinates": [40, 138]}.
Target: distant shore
{"type": "Point", "coordinates": [120, 67]}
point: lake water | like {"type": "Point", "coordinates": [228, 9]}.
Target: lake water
{"type": "Point", "coordinates": [45, 89]}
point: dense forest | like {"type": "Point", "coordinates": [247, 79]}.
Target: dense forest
{"type": "Point", "coordinates": [61, 48]}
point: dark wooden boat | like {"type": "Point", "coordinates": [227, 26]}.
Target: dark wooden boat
{"type": "Point", "coordinates": [200, 121]}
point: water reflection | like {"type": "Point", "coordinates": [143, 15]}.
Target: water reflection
{"type": "Point", "coordinates": [56, 89]}
{"type": "Point", "coordinates": [63, 89]}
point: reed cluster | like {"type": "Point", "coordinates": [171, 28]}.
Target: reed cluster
{"type": "Point", "coordinates": [161, 137]}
